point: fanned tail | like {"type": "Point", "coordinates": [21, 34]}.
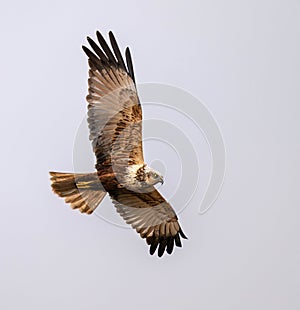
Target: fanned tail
{"type": "Point", "coordinates": [82, 191]}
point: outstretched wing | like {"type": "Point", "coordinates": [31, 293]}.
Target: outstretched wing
{"type": "Point", "coordinates": [151, 216]}
{"type": "Point", "coordinates": [114, 110]}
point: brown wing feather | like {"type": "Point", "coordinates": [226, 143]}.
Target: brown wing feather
{"type": "Point", "coordinates": [151, 216]}
{"type": "Point", "coordinates": [114, 110]}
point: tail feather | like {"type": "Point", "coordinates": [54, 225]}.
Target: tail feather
{"type": "Point", "coordinates": [82, 191]}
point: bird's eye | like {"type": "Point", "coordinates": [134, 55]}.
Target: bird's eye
{"type": "Point", "coordinates": [155, 175]}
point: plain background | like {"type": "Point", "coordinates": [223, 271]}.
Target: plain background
{"type": "Point", "coordinates": [242, 59]}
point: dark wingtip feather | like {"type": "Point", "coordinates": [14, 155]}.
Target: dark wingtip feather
{"type": "Point", "coordinates": [104, 55]}
{"type": "Point", "coordinates": [182, 234]}
{"type": "Point", "coordinates": [162, 244]}
{"type": "Point", "coordinates": [162, 247]}
{"type": "Point", "coordinates": [97, 50]}
{"type": "Point", "coordinates": [116, 50]}
{"type": "Point", "coordinates": [129, 63]}
{"type": "Point", "coordinates": [106, 48]}
{"type": "Point", "coordinates": [177, 241]}
{"type": "Point", "coordinates": [85, 49]}
{"type": "Point", "coordinates": [170, 245]}
{"type": "Point", "coordinates": [153, 246]}
{"type": "Point", "coordinates": [93, 59]}
{"type": "Point", "coordinates": [89, 53]}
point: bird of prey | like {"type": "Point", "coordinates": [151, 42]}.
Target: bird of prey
{"type": "Point", "coordinates": [115, 124]}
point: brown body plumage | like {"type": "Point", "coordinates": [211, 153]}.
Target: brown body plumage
{"type": "Point", "coordinates": [115, 123]}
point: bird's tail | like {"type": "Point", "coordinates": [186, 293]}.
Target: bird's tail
{"type": "Point", "coordinates": [82, 191]}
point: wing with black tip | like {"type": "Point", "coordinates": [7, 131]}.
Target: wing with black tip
{"type": "Point", "coordinates": [114, 110]}
{"type": "Point", "coordinates": [151, 216]}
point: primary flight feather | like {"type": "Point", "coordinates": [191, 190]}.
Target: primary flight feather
{"type": "Point", "coordinates": [115, 124]}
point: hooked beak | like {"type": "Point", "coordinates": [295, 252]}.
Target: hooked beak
{"type": "Point", "coordinates": [161, 180]}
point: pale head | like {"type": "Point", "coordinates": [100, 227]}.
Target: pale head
{"type": "Point", "coordinates": [152, 176]}
{"type": "Point", "coordinates": [142, 176]}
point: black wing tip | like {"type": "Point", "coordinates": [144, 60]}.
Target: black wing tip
{"type": "Point", "coordinates": [182, 234]}
{"type": "Point", "coordinates": [111, 34]}
{"type": "Point", "coordinates": [110, 56]}
{"type": "Point", "coordinates": [127, 52]}
{"type": "Point", "coordinates": [129, 63]}
{"type": "Point", "coordinates": [86, 51]}
{"type": "Point", "coordinates": [153, 245]}
{"type": "Point", "coordinates": [170, 245]}
{"type": "Point", "coordinates": [117, 52]}
{"type": "Point", "coordinates": [90, 40]}
{"type": "Point", "coordinates": [165, 244]}
{"type": "Point", "coordinates": [99, 35]}
{"type": "Point", "coordinates": [84, 48]}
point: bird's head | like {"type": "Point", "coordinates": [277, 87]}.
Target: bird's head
{"type": "Point", "coordinates": [153, 177]}
{"type": "Point", "coordinates": [144, 176]}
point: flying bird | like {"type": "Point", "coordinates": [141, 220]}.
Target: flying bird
{"type": "Point", "coordinates": [115, 124]}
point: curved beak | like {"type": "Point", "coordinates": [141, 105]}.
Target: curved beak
{"type": "Point", "coordinates": [161, 180]}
